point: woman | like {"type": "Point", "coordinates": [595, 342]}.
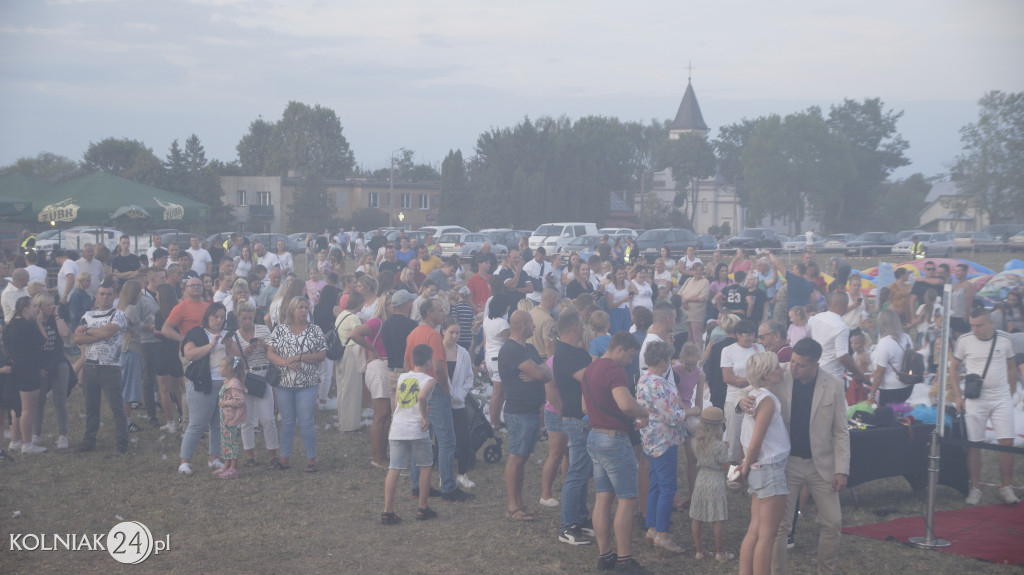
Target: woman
{"type": "Point", "coordinates": [224, 284]}
{"type": "Point", "coordinates": [572, 270]}
{"type": "Point", "coordinates": [131, 358]}
{"type": "Point", "coordinates": [888, 357]}
{"type": "Point", "coordinates": [297, 348]}
{"type": "Point", "coordinates": [323, 316]}
{"type": "Point", "coordinates": [336, 262]}
{"type": "Point", "coordinates": [580, 284]}
{"type": "Point", "coordinates": [208, 287]}
{"type": "Point", "coordinates": [661, 440]}
{"type": "Point", "coordinates": [348, 373]}
{"type": "Point", "coordinates": [495, 328]}
{"type": "Point", "coordinates": [80, 301]}
{"type": "Point", "coordinates": [766, 445]}
{"type": "Point", "coordinates": [57, 368]}
{"type": "Point", "coordinates": [619, 295]}
{"type": "Point", "coordinates": [285, 258]}
{"type": "Point", "coordinates": [694, 294]}
{"type": "Point", "coordinates": [243, 263]}
{"type": "Point", "coordinates": [740, 262]}
{"type": "Point", "coordinates": [644, 295]}
{"type": "Point", "coordinates": [713, 360]}
{"type": "Point", "coordinates": [368, 337]}
{"type": "Point", "coordinates": [558, 436]}
{"type": "Point", "coordinates": [460, 378]}
{"type": "Point", "coordinates": [360, 245]}
{"type": "Point", "coordinates": [367, 286]}
{"type": "Point", "coordinates": [666, 256]}
{"type": "Point", "coordinates": [407, 280]}
{"type": "Point", "coordinates": [617, 250]}
{"type": "Point", "coordinates": [205, 346]}
{"type": "Point", "coordinates": [239, 293]}
{"type": "Point", "coordinates": [166, 364]}
{"type": "Point", "coordinates": [252, 340]}
{"type": "Point", "coordinates": [290, 289]}
{"type": "Point", "coordinates": [24, 339]}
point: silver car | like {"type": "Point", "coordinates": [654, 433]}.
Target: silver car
{"type": "Point", "coordinates": [938, 245]}
{"type": "Point", "coordinates": [798, 243]}
{"type": "Point", "coordinates": [467, 245]}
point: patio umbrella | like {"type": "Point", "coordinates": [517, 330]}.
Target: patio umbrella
{"type": "Point", "coordinates": [101, 197]}
{"type": "Point", "coordinates": [1001, 283]}
{"type": "Point", "coordinates": [16, 193]}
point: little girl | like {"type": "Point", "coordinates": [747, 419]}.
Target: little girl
{"type": "Point", "coordinates": [708, 503]}
{"type": "Point", "coordinates": [232, 414]}
{"type": "Point", "coordinates": [798, 328]}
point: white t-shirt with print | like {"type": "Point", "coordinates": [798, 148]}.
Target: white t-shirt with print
{"type": "Point", "coordinates": [106, 351]}
{"type": "Point", "coordinates": [406, 422]}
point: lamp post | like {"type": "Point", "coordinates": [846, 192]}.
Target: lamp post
{"type": "Point", "coordinates": [391, 189]}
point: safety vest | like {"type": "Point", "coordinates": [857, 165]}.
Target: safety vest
{"type": "Point", "coordinates": [28, 243]}
{"type": "Point", "coordinates": [627, 255]}
{"type": "Point", "coordinates": [917, 251]}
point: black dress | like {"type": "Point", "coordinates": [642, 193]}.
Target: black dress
{"type": "Point", "coordinates": [24, 345]}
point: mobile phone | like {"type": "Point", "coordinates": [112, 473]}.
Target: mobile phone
{"type": "Point", "coordinates": [253, 340]}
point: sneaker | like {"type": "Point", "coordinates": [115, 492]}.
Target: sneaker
{"type": "Point", "coordinates": [62, 442]}
{"type": "Point", "coordinates": [15, 445]}
{"type": "Point", "coordinates": [573, 536]}
{"type": "Point", "coordinates": [464, 482]}
{"type": "Point", "coordinates": [37, 440]}
{"type": "Point", "coordinates": [134, 427]}
{"type": "Point", "coordinates": [32, 449]}
{"type": "Point", "coordinates": [215, 464]}
{"type": "Point", "coordinates": [457, 496]}
{"type": "Point", "coordinates": [229, 474]}
{"type": "Point", "coordinates": [1007, 494]}
{"type": "Point", "coordinates": [630, 565]}
{"type": "Point", "coordinates": [587, 527]}
{"type": "Point", "coordinates": [185, 469]}
{"type": "Point", "coordinates": [974, 497]}
{"type": "Point", "coordinates": [549, 502]}
{"type": "Point", "coordinates": [5, 457]}
{"type": "Point", "coordinates": [790, 542]}
{"type": "Point", "coordinates": [170, 427]}
{"type": "Point", "coordinates": [607, 563]}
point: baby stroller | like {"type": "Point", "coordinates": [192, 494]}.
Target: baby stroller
{"type": "Point", "coordinates": [480, 430]}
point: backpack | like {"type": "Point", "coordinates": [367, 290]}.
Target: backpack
{"type": "Point", "coordinates": [911, 371]}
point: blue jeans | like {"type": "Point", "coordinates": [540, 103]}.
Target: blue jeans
{"type": "Point", "coordinates": [297, 403]}
{"type": "Point", "coordinates": [203, 415]}
{"type": "Point", "coordinates": [523, 431]}
{"type": "Point", "coordinates": [662, 490]}
{"type": "Point", "coordinates": [574, 490]}
{"type": "Point", "coordinates": [441, 426]}
{"type": "Point", "coordinates": [615, 467]}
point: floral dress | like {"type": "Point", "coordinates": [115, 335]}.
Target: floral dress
{"type": "Point", "coordinates": [667, 416]}
{"type": "Point", "coordinates": [708, 502]}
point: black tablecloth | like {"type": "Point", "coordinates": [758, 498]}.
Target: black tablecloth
{"type": "Point", "coordinates": [882, 452]}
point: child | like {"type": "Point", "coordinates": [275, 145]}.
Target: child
{"type": "Point", "coordinates": [798, 328]}
{"type": "Point", "coordinates": [599, 323]}
{"type": "Point", "coordinates": [861, 355]}
{"type": "Point", "coordinates": [409, 436]}
{"type": "Point", "coordinates": [232, 414]}
{"type": "Point", "coordinates": [708, 503]}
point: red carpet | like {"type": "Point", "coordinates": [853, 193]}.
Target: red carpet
{"type": "Point", "coordinates": [992, 533]}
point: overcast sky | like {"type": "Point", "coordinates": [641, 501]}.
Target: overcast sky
{"type": "Point", "coordinates": [431, 76]}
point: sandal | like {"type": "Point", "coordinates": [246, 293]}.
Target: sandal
{"type": "Point", "coordinates": [389, 518]}
{"type": "Point", "coordinates": [424, 514]}
{"type": "Point", "coordinates": [250, 462]}
{"type": "Point", "coordinates": [518, 515]}
{"type": "Point", "coordinates": [669, 546]}
{"type": "Point", "coordinates": [310, 468]}
{"type": "Point", "coordinates": [649, 536]}
{"type": "Point", "coordinates": [724, 556]}
{"type": "Point", "coordinates": [277, 465]}
{"type": "Point", "coordinates": [378, 465]}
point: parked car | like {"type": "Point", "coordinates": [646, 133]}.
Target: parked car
{"type": "Point", "coordinates": [438, 231]}
{"type": "Point", "coordinates": [613, 233]}
{"type": "Point", "coordinates": [976, 242]}
{"type": "Point", "coordinates": [675, 239]}
{"type": "Point", "coordinates": [585, 246]}
{"type": "Point", "coordinates": [467, 245]}
{"type": "Point", "coordinates": [45, 240]}
{"type": "Point", "coordinates": [871, 244]}
{"type": "Point", "coordinates": [297, 242]}
{"type": "Point", "coordinates": [183, 239]}
{"type": "Point", "coordinates": [938, 245]}
{"type": "Point", "coordinates": [909, 234]}
{"type": "Point", "coordinates": [751, 238]}
{"type": "Point", "coordinates": [505, 236]}
{"type": "Point", "coordinates": [395, 236]}
{"type": "Point", "coordinates": [1016, 242]}
{"type": "Point", "coordinates": [837, 242]}
{"type": "Point", "coordinates": [555, 235]}
{"type": "Point", "coordinates": [1003, 232]}
{"type": "Point", "coordinates": [798, 243]}
{"type": "Point", "coordinates": [707, 242]}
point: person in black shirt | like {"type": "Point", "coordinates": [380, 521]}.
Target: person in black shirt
{"type": "Point", "coordinates": [713, 365]}
{"type": "Point", "coordinates": [570, 361]}
{"type": "Point", "coordinates": [394, 333]}
{"type": "Point", "coordinates": [733, 297]}
{"type": "Point", "coordinates": [517, 283]}
{"type": "Point", "coordinates": [756, 300]}
{"type": "Point", "coordinates": [391, 262]}
{"type": "Point", "coordinates": [124, 263]}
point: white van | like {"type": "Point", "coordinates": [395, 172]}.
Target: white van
{"type": "Point", "coordinates": [557, 235]}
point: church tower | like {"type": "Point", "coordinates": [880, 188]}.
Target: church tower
{"type": "Point", "coordinates": [688, 117]}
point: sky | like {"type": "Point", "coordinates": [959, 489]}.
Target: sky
{"type": "Point", "coordinates": [432, 76]}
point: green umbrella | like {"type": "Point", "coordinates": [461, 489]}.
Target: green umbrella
{"type": "Point", "coordinates": [16, 191]}
{"type": "Point", "coordinates": [101, 197]}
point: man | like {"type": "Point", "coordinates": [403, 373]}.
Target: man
{"type": "Point", "coordinates": [102, 333]}
{"type": "Point", "coordinates": [265, 258]}
{"type": "Point", "coordinates": [175, 277]}
{"type": "Point", "coordinates": [187, 314]}
{"type": "Point", "coordinates": [767, 279]}
{"type": "Point", "coordinates": [772, 336]}
{"type": "Point", "coordinates": [185, 261]}
{"type": "Point", "coordinates": [156, 244]}
{"type": "Point", "coordinates": [148, 307]}
{"type": "Point", "coordinates": [798, 288]}
{"type": "Point", "coordinates": [961, 301]}
{"type": "Point", "coordinates": [986, 353]}
{"type": "Point", "coordinates": [568, 366]}
{"type": "Point", "coordinates": [944, 273]}
{"type": "Point", "coordinates": [814, 411]}
{"type": "Point", "coordinates": [537, 270]}
{"type": "Point", "coordinates": [443, 275]}
{"type": "Point", "coordinates": [613, 413]}
{"type": "Point", "coordinates": [394, 334]}
{"type": "Point", "coordinates": [17, 289]}
{"type": "Point", "coordinates": [833, 335]}
{"type": "Point", "coordinates": [428, 263]}
{"type": "Point", "coordinates": [36, 274]}
{"type": "Point", "coordinates": [235, 250]}
{"type": "Point", "coordinates": [757, 299]}
{"type": "Point", "coordinates": [172, 253]}
{"type": "Point", "coordinates": [856, 307]}
{"type": "Point", "coordinates": [159, 258]}
{"type": "Point", "coordinates": [89, 263]}
{"type": "Point", "coordinates": [201, 259]}
{"type": "Point", "coordinates": [517, 284]}
{"type": "Point", "coordinates": [931, 280]}
{"type": "Point", "coordinates": [543, 321]}
{"type": "Point", "coordinates": [485, 252]}
{"type": "Point", "coordinates": [523, 377]}
{"type": "Point", "coordinates": [125, 264]}
{"type": "Point", "coordinates": [266, 295]}
{"type": "Point", "coordinates": [391, 262]}
{"type": "Point", "coordinates": [733, 297]}
{"type": "Point", "coordinates": [66, 276]}
{"type": "Point", "coordinates": [917, 249]}
{"type": "Point", "coordinates": [604, 249]}
{"type": "Point", "coordinates": [733, 363]}
{"type": "Point", "coordinates": [477, 283]}
{"type": "Point", "coordinates": [440, 403]}
{"type": "Point", "coordinates": [405, 252]}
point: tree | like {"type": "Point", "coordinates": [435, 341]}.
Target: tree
{"type": "Point", "coordinates": [126, 158]}
{"type": "Point", "coordinates": [45, 166]}
{"type": "Point", "coordinates": [991, 171]}
{"type": "Point", "coordinates": [175, 170]}
{"type": "Point", "coordinates": [254, 149]}
{"type": "Point", "coordinates": [405, 170]}
{"type": "Point", "coordinates": [187, 172]}
{"type": "Point", "coordinates": [691, 158]}
{"type": "Point", "coordinates": [366, 219]}
{"type": "Point", "coordinates": [455, 198]}
{"type": "Point", "coordinates": [900, 203]}
{"type": "Point", "coordinates": [644, 142]}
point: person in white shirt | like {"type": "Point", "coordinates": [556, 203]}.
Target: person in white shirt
{"type": "Point", "coordinates": [66, 276]}
{"type": "Point", "coordinates": [35, 273]}
{"type": "Point", "coordinates": [663, 279]}
{"type": "Point", "coordinates": [686, 263]}
{"type": "Point", "coordinates": [16, 289]}
{"type": "Point", "coordinates": [661, 329]}
{"type": "Point", "coordinates": [734, 374]}
{"type": "Point", "coordinates": [265, 258]}
{"type": "Point", "coordinates": [539, 270]}
{"type": "Point", "coordinates": [157, 243]}
{"type": "Point", "coordinates": [856, 308]}
{"type": "Point", "coordinates": [832, 333]}
{"type": "Point", "coordinates": [995, 402]}
{"type": "Point", "coordinates": [88, 263]}
{"type": "Point", "coordinates": [285, 258]}
{"type": "Point", "coordinates": [201, 259]}
{"type": "Point", "coordinates": [888, 358]}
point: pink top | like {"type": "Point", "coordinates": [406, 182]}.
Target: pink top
{"type": "Point", "coordinates": [232, 402]}
{"type": "Point", "coordinates": [686, 383]}
{"type": "Point", "coordinates": [375, 339]}
{"type": "Point", "coordinates": [313, 290]}
{"type": "Point", "coordinates": [796, 333]}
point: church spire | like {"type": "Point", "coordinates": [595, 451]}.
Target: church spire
{"type": "Point", "coordinates": [688, 117]}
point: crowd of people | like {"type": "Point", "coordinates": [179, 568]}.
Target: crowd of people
{"type": "Point", "coordinates": [741, 367]}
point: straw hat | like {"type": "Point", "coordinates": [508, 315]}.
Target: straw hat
{"type": "Point", "coordinates": [712, 415]}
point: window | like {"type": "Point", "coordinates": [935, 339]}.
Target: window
{"type": "Point", "coordinates": [424, 202]}
{"type": "Point", "coordinates": [704, 206]}
{"type": "Point", "coordinates": [406, 201]}
{"type": "Point", "coordinates": [434, 202]}
{"type": "Point", "coordinates": [263, 198]}
{"type": "Point", "coordinates": [241, 198]}
{"type": "Point", "coordinates": [373, 200]}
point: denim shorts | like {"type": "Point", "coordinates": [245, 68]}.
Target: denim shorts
{"type": "Point", "coordinates": [768, 480]}
{"type": "Point", "coordinates": [615, 467]}
{"type": "Point", "coordinates": [523, 430]}
{"type": "Point", "coordinates": [420, 450]}
{"type": "Point", "coordinates": [553, 422]}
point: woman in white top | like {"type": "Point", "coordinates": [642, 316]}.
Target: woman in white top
{"type": "Point", "coordinates": [666, 256]}
{"type": "Point", "coordinates": [644, 296]}
{"type": "Point", "coordinates": [367, 286]}
{"type": "Point", "coordinates": [766, 445]}
{"type": "Point", "coordinates": [243, 263]}
{"type": "Point", "coordinates": [619, 293]}
{"type": "Point", "coordinates": [495, 328]}
{"type": "Point", "coordinates": [888, 357]}
{"type": "Point", "coordinates": [460, 382]}
{"type": "Point", "coordinates": [252, 339]}
{"type": "Point", "coordinates": [285, 258]}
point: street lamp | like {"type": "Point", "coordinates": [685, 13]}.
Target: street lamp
{"type": "Point", "coordinates": [391, 189]}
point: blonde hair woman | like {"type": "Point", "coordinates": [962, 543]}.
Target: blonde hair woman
{"type": "Point", "coordinates": [58, 370]}
{"type": "Point", "coordinates": [131, 360]}
{"type": "Point", "coordinates": [368, 336]}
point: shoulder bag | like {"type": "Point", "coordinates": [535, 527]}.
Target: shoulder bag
{"type": "Point", "coordinates": [973, 383]}
{"type": "Point", "coordinates": [274, 372]}
{"type": "Point", "coordinates": [255, 383]}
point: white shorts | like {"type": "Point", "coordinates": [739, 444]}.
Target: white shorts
{"type": "Point", "coordinates": [980, 411]}
{"type": "Point", "coordinates": [377, 375]}
{"type": "Point", "coordinates": [492, 370]}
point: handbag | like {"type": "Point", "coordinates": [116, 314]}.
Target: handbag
{"type": "Point", "coordinates": [255, 383]}
{"type": "Point", "coordinates": [973, 383]}
{"type": "Point", "coordinates": [335, 348]}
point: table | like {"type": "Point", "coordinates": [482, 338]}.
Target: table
{"type": "Point", "coordinates": [881, 452]}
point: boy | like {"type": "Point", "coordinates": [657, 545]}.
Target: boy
{"type": "Point", "coordinates": [410, 435]}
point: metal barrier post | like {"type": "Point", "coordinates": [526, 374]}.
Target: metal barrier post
{"type": "Point", "coordinates": [929, 540]}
